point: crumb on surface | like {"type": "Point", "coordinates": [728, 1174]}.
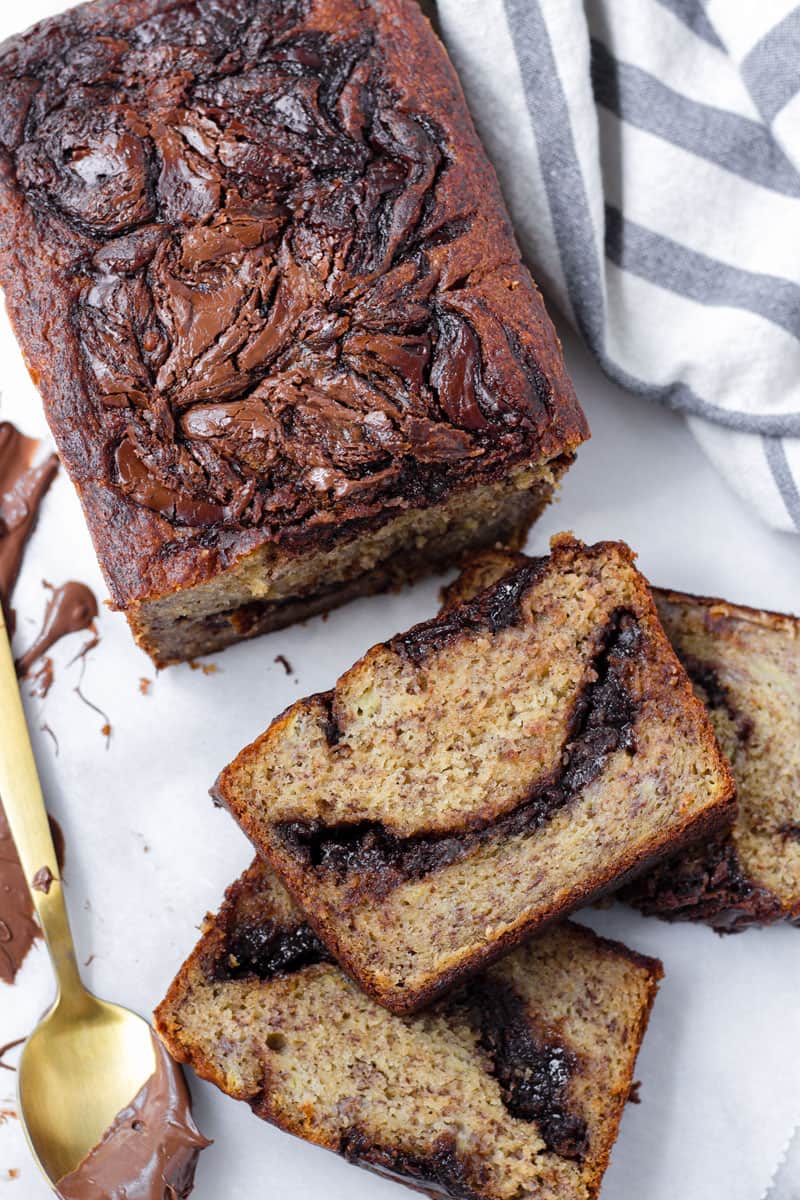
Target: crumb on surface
{"type": "Point", "coordinates": [144, 685]}
{"type": "Point", "coordinates": [206, 668]}
{"type": "Point", "coordinates": [284, 662]}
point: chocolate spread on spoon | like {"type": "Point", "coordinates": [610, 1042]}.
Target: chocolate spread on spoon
{"type": "Point", "coordinates": [70, 609]}
{"type": "Point", "coordinates": [150, 1150]}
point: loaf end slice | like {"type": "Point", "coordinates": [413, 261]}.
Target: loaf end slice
{"type": "Point", "coordinates": [484, 774]}
{"type": "Point", "coordinates": [512, 1087]}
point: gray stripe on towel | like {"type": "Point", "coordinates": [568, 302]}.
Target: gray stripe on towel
{"type": "Point", "coordinates": [737, 144]}
{"type": "Point", "coordinates": [560, 168]}
{"type": "Point", "coordinates": [772, 68]}
{"type": "Point", "coordinates": [782, 474]}
{"type": "Point", "coordinates": [693, 15]}
{"type": "Point", "coordinates": [706, 280]}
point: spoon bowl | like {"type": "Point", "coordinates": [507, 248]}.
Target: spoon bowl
{"type": "Point", "coordinates": [82, 1065]}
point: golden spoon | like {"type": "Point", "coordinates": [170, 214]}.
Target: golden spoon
{"type": "Point", "coordinates": [87, 1059]}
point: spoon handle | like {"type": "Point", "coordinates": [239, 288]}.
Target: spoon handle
{"type": "Point", "coordinates": [21, 795]}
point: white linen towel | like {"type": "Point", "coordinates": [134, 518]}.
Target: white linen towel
{"type": "Point", "coordinates": [649, 151]}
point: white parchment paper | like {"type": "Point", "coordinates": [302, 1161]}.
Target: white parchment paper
{"type": "Point", "coordinates": [148, 854]}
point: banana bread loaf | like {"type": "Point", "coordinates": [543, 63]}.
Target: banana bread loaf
{"type": "Point", "coordinates": [261, 272]}
{"type": "Point", "coordinates": [513, 1087]}
{"type": "Point", "coordinates": [484, 773]}
{"type": "Point", "coordinates": [744, 664]}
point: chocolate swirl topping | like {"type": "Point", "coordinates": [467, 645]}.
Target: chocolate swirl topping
{"type": "Point", "coordinates": [277, 287]}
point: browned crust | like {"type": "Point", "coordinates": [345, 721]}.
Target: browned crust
{"type": "Point", "coordinates": [211, 943]}
{"type": "Point", "coordinates": [39, 288]}
{"type": "Point", "coordinates": [764, 617]}
{"type": "Point", "coordinates": [462, 617]}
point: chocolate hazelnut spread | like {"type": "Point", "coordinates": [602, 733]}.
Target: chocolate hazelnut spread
{"type": "Point", "coordinates": [18, 928]}
{"type": "Point", "coordinates": [72, 607]}
{"type": "Point", "coordinates": [150, 1150]}
{"type": "Point", "coordinates": [534, 1070]}
{"type": "Point", "coordinates": [22, 488]}
{"type": "Point", "coordinates": [43, 880]}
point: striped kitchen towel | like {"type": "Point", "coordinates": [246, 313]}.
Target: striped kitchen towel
{"type": "Point", "coordinates": [650, 155]}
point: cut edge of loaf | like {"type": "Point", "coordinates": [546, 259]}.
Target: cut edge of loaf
{"type": "Point", "coordinates": [268, 589]}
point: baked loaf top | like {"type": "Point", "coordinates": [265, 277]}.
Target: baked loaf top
{"type": "Point", "coordinates": [513, 1087]}
{"type": "Point", "coordinates": [744, 664]}
{"type": "Point", "coordinates": [484, 773]}
{"type": "Point", "coordinates": [261, 270]}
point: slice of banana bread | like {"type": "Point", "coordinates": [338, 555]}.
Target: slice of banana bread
{"type": "Point", "coordinates": [484, 773]}
{"type": "Point", "coordinates": [513, 1087]}
{"type": "Point", "coordinates": [745, 666]}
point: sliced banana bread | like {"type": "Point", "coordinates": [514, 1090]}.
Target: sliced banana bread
{"type": "Point", "coordinates": [484, 773]}
{"type": "Point", "coordinates": [513, 1087]}
{"type": "Point", "coordinates": [745, 667]}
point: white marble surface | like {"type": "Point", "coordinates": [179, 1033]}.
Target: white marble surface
{"type": "Point", "coordinates": [147, 854]}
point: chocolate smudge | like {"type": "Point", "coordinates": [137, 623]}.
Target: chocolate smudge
{"type": "Point", "coordinates": [22, 488]}
{"type": "Point", "coordinates": [72, 608]}
{"type": "Point", "coordinates": [5, 1049]}
{"type": "Point", "coordinates": [284, 662]}
{"type": "Point", "coordinates": [18, 928]}
{"type": "Point", "coordinates": [602, 723]}
{"type": "Point", "coordinates": [45, 728]}
{"type": "Point", "coordinates": [107, 728]}
{"type": "Point", "coordinates": [43, 880]}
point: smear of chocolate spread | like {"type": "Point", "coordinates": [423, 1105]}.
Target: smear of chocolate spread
{"type": "Point", "coordinates": [150, 1150]}
{"type": "Point", "coordinates": [22, 488]}
{"type": "Point", "coordinates": [43, 880]}
{"type": "Point", "coordinates": [4, 1051]}
{"type": "Point", "coordinates": [18, 929]}
{"type": "Point", "coordinates": [72, 608]}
